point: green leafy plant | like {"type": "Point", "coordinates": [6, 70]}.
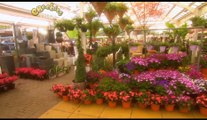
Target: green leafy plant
{"type": "Point", "coordinates": [195, 43]}
{"type": "Point", "coordinates": [95, 26]}
{"type": "Point", "coordinates": [198, 21]}
{"type": "Point", "coordinates": [64, 25]}
{"type": "Point", "coordinates": [84, 27]}
{"type": "Point", "coordinates": [90, 14]}
{"type": "Point", "coordinates": [121, 9]}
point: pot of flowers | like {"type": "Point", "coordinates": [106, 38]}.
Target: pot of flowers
{"type": "Point", "coordinates": [153, 63]}
{"type": "Point", "coordinates": [175, 47]}
{"type": "Point", "coordinates": [92, 77]}
{"type": "Point", "coordinates": [112, 97]}
{"type": "Point", "coordinates": [194, 45]}
{"type": "Point", "coordinates": [99, 97]}
{"type": "Point", "coordinates": [56, 89]}
{"type": "Point", "coordinates": [75, 95]}
{"type": "Point", "coordinates": [156, 101]}
{"type": "Point", "coordinates": [163, 46]}
{"type": "Point", "coordinates": [169, 102]}
{"type": "Point", "coordinates": [126, 98]}
{"type": "Point", "coordinates": [201, 100]}
{"type": "Point", "coordinates": [143, 98]}
{"type": "Point", "coordinates": [88, 96]}
{"type": "Point", "coordinates": [65, 92]}
{"type": "Point", "coordinates": [185, 103]}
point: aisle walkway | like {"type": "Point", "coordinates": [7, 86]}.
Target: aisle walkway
{"type": "Point", "coordinates": [71, 110]}
{"type": "Point", "coordinates": [30, 98]}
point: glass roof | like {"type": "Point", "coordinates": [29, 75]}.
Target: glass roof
{"type": "Point", "coordinates": [168, 11]}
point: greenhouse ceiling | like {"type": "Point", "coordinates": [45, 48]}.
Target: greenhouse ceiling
{"type": "Point", "coordinates": [156, 13]}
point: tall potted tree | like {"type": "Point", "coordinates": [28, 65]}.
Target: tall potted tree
{"type": "Point", "coordinates": [80, 73]}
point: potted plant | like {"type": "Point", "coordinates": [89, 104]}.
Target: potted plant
{"type": "Point", "coordinates": [112, 97]}
{"type": "Point", "coordinates": [201, 101]}
{"type": "Point", "coordinates": [156, 101]}
{"type": "Point", "coordinates": [64, 25]}
{"type": "Point", "coordinates": [88, 96]}
{"type": "Point", "coordinates": [143, 98]}
{"type": "Point", "coordinates": [163, 46]}
{"type": "Point", "coordinates": [75, 94]}
{"type": "Point", "coordinates": [198, 21]}
{"type": "Point", "coordinates": [99, 6]}
{"type": "Point", "coordinates": [80, 73]}
{"type": "Point", "coordinates": [110, 11]}
{"type": "Point", "coordinates": [175, 47]}
{"type": "Point", "coordinates": [185, 103]}
{"type": "Point", "coordinates": [169, 102]}
{"type": "Point", "coordinates": [84, 27]}
{"type": "Point", "coordinates": [99, 96]}
{"type": "Point", "coordinates": [194, 45]}
{"type": "Point", "coordinates": [59, 38]}
{"type": "Point", "coordinates": [126, 98]}
{"type": "Point", "coordinates": [129, 29]}
{"type": "Point", "coordinates": [92, 77]}
{"type": "Point", "coordinates": [121, 9]}
{"type": "Point", "coordinates": [90, 15]}
{"type": "Point", "coordinates": [123, 21]}
{"type": "Point", "coordinates": [95, 26]}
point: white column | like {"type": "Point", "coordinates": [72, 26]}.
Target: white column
{"type": "Point", "coordinates": [83, 41]}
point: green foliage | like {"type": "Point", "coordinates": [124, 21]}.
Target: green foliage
{"type": "Point", "coordinates": [59, 34]}
{"type": "Point", "coordinates": [121, 7]}
{"type": "Point", "coordinates": [95, 26]}
{"type": "Point", "coordinates": [195, 43]}
{"type": "Point", "coordinates": [111, 7]}
{"type": "Point", "coordinates": [64, 25]}
{"type": "Point", "coordinates": [90, 14]}
{"type": "Point", "coordinates": [84, 27]}
{"type": "Point", "coordinates": [113, 31]}
{"type": "Point", "coordinates": [198, 21]}
{"type": "Point", "coordinates": [160, 90]}
{"type": "Point", "coordinates": [163, 44]}
{"type": "Point", "coordinates": [129, 28]}
{"type": "Point", "coordinates": [121, 65]}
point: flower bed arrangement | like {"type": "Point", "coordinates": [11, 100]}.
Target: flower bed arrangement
{"type": "Point", "coordinates": [7, 82]}
{"type": "Point", "coordinates": [160, 87]}
{"type": "Point", "coordinates": [31, 73]}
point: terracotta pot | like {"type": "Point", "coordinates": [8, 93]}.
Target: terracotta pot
{"type": "Point", "coordinates": [99, 101]}
{"type": "Point", "coordinates": [102, 71]}
{"type": "Point", "coordinates": [155, 107]}
{"type": "Point", "coordinates": [126, 104]}
{"type": "Point", "coordinates": [142, 105]}
{"type": "Point", "coordinates": [76, 101]}
{"type": "Point", "coordinates": [87, 102]}
{"type": "Point", "coordinates": [169, 107]}
{"type": "Point", "coordinates": [136, 72]}
{"type": "Point", "coordinates": [184, 109]}
{"type": "Point", "coordinates": [204, 71]}
{"type": "Point", "coordinates": [203, 110]}
{"type": "Point", "coordinates": [152, 69]}
{"type": "Point", "coordinates": [99, 6]}
{"type": "Point", "coordinates": [110, 16]}
{"type": "Point", "coordinates": [65, 98]}
{"type": "Point", "coordinates": [112, 104]}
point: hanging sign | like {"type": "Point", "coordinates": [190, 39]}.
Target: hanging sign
{"type": "Point", "coordinates": [41, 8]}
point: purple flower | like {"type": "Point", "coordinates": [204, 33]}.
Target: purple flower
{"type": "Point", "coordinates": [130, 66]}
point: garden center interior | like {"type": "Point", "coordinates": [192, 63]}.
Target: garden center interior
{"type": "Point", "coordinates": [103, 59]}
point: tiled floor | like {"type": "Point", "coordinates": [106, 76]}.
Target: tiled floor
{"type": "Point", "coordinates": [72, 110]}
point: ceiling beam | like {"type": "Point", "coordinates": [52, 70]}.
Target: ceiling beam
{"type": "Point", "coordinates": [166, 16]}
{"type": "Point", "coordinates": [192, 10]}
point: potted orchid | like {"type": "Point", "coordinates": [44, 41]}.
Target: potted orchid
{"type": "Point", "coordinates": [112, 97]}
{"type": "Point", "coordinates": [88, 96]}
{"type": "Point", "coordinates": [185, 103]}
{"type": "Point", "coordinates": [143, 98]}
{"type": "Point", "coordinates": [201, 100]}
{"type": "Point", "coordinates": [126, 98]}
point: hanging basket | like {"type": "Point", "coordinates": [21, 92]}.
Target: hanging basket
{"type": "Point", "coordinates": [110, 15]}
{"type": "Point", "coordinates": [99, 6]}
{"type": "Point", "coordinates": [121, 14]}
{"type": "Point", "coordinates": [122, 26]}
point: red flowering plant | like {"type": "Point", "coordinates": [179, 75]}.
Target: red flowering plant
{"type": "Point", "coordinates": [8, 80]}
{"type": "Point", "coordinates": [156, 99]}
{"type": "Point", "coordinates": [88, 94]}
{"type": "Point", "coordinates": [3, 75]}
{"type": "Point", "coordinates": [75, 93]}
{"type": "Point", "coordinates": [38, 74]}
{"type": "Point", "coordinates": [111, 96]}
{"type": "Point", "coordinates": [23, 72]}
{"type": "Point", "coordinates": [56, 88]}
{"type": "Point", "coordinates": [169, 99]}
{"type": "Point", "coordinates": [126, 96]}
{"type": "Point", "coordinates": [185, 101]}
{"type": "Point", "coordinates": [92, 76]}
{"type": "Point", "coordinates": [201, 100]}
{"type": "Point", "coordinates": [143, 97]}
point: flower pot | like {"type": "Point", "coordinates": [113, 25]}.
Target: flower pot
{"type": "Point", "coordinates": [175, 49]}
{"type": "Point", "coordinates": [152, 69]}
{"type": "Point", "coordinates": [87, 102]}
{"type": "Point", "coordinates": [162, 48]}
{"type": "Point", "coordinates": [169, 107]}
{"type": "Point", "coordinates": [126, 104]}
{"type": "Point", "coordinates": [99, 101]}
{"type": "Point", "coordinates": [193, 47]}
{"type": "Point", "coordinates": [184, 109]}
{"type": "Point", "coordinates": [155, 107]}
{"type": "Point", "coordinates": [112, 104]}
{"type": "Point", "coordinates": [136, 72]}
{"type": "Point", "coordinates": [76, 101]}
{"type": "Point", "coordinates": [110, 15]}
{"type": "Point", "coordinates": [149, 47]}
{"type": "Point", "coordinates": [65, 98]}
{"type": "Point", "coordinates": [99, 6]}
{"type": "Point", "coordinates": [203, 110]}
{"type": "Point", "coordinates": [142, 105]}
